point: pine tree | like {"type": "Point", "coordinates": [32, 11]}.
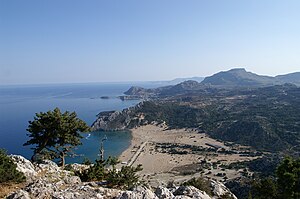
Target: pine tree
{"type": "Point", "coordinates": [55, 134]}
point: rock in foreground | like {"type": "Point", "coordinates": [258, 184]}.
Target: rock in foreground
{"type": "Point", "coordinates": [47, 180]}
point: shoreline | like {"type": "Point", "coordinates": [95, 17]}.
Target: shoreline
{"type": "Point", "coordinates": [165, 155]}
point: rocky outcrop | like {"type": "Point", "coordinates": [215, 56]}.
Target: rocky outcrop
{"type": "Point", "coordinates": [181, 192]}
{"type": "Point", "coordinates": [139, 192]}
{"type": "Point", "coordinates": [24, 166]}
{"type": "Point", "coordinates": [191, 192]}
{"type": "Point", "coordinates": [47, 180]}
{"type": "Point", "coordinates": [118, 120]}
{"type": "Point", "coordinates": [141, 92]}
{"type": "Point", "coordinates": [220, 189]}
{"type": "Point", "coordinates": [163, 193]}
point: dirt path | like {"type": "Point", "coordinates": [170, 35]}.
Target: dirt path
{"type": "Point", "coordinates": [137, 153]}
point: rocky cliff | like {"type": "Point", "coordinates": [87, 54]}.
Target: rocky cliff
{"type": "Point", "coordinates": [118, 120]}
{"type": "Point", "coordinates": [47, 180]}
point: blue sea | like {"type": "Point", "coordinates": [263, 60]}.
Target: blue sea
{"type": "Point", "coordinates": [18, 105]}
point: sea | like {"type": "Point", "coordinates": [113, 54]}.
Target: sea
{"type": "Point", "coordinates": [19, 103]}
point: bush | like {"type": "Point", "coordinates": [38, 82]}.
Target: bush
{"type": "Point", "coordinates": [126, 178]}
{"type": "Point", "coordinates": [95, 173]}
{"type": "Point", "coordinates": [8, 171]}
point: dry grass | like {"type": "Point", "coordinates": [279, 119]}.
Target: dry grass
{"type": "Point", "coordinates": [6, 188]}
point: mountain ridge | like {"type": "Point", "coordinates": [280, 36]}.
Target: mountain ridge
{"type": "Point", "coordinates": [239, 77]}
{"type": "Point", "coordinates": [234, 78]}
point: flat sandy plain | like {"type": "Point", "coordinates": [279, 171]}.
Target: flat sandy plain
{"type": "Point", "coordinates": [160, 166]}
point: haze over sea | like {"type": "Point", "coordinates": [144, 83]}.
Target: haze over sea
{"type": "Point", "coordinates": [18, 105]}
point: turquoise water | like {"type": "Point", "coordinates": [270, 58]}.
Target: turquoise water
{"type": "Point", "coordinates": [115, 144]}
{"type": "Point", "coordinates": [18, 105]}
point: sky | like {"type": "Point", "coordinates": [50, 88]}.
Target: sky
{"type": "Point", "coordinates": [72, 41]}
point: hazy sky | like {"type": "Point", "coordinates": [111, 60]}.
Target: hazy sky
{"type": "Point", "coordinates": [58, 41]}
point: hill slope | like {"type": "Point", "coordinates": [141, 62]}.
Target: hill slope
{"type": "Point", "coordinates": [293, 78]}
{"type": "Point", "coordinates": [239, 77]}
{"type": "Point", "coordinates": [265, 118]}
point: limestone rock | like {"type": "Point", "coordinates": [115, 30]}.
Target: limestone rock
{"type": "Point", "coordinates": [24, 166]}
{"type": "Point", "coordinates": [73, 180]}
{"type": "Point", "coordinates": [47, 165]}
{"type": "Point", "coordinates": [163, 193]}
{"type": "Point", "coordinates": [147, 193]}
{"type": "Point", "coordinates": [220, 189]}
{"type": "Point", "coordinates": [191, 192]}
{"type": "Point", "coordinates": [20, 194]}
{"type": "Point", "coordinates": [137, 193]}
{"type": "Point", "coordinates": [47, 180]}
{"type": "Point", "coordinates": [181, 197]}
{"type": "Point", "coordinates": [78, 167]}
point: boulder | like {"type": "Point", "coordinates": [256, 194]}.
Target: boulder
{"type": "Point", "coordinates": [24, 166]}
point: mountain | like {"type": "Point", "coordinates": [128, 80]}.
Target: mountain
{"type": "Point", "coordinates": [234, 78]}
{"type": "Point", "coordinates": [293, 78]}
{"type": "Point", "coordinates": [239, 77]}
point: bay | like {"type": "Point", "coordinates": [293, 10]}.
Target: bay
{"type": "Point", "coordinates": [18, 105]}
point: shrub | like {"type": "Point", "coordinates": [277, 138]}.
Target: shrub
{"type": "Point", "coordinates": [8, 171]}
{"type": "Point", "coordinates": [126, 178]}
{"type": "Point", "coordinates": [95, 173]}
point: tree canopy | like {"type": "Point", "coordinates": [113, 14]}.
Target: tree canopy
{"type": "Point", "coordinates": [286, 183]}
{"type": "Point", "coordinates": [54, 134]}
{"type": "Point", "coordinates": [288, 173]}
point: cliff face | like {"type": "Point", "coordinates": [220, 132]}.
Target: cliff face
{"type": "Point", "coordinates": [118, 120]}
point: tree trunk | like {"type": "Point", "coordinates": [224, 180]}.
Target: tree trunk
{"type": "Point", "coordinates": [62, 157]}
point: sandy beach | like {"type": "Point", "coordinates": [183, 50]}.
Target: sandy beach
{"type": "Point", "coordinates": [148, 148]}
